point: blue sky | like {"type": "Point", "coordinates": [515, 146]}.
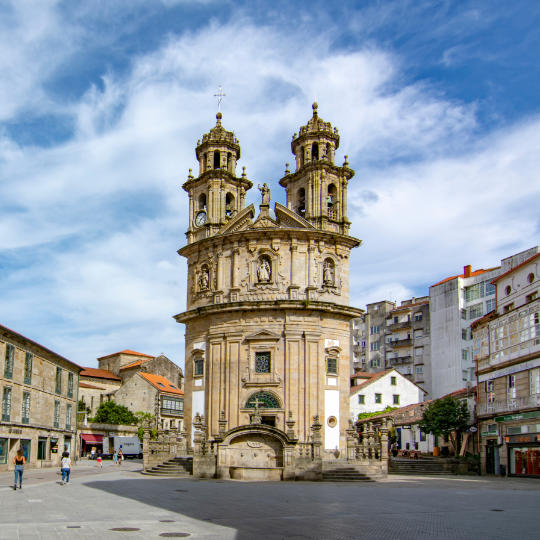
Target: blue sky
{"type": "Point", "coordinates": [102, 102]}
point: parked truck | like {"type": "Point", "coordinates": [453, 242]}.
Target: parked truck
{"type": "Point", "coordinates": [131, 446]}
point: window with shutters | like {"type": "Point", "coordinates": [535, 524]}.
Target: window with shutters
{"type": "Point", "coordinates": [28, 361]}
{"type": "Point", "coordinates": [25, 414]}
{"type": "Point", "coordinates": [9, 359]}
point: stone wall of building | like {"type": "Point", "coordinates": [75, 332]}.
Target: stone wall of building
{"type": "Point", "coordinates": [36, 413]}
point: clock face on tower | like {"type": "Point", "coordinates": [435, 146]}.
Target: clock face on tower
{"type": "Point", "coordinates": [200, 218]}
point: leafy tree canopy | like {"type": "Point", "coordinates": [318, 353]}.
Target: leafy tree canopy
{"type": "Point", "coordinates": [362, 416]}
{"type": "Point", "coordinates": [110, 412]}
{"type": "Point", "coordinates": [446, 417]}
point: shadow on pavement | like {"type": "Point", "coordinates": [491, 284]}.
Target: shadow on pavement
{"type": "Point", "coordinates": [255, 510]}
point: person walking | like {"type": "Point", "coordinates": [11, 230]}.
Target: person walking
{"type": "Point", "coordinates": [99, 459]}
{"type": "Point", "coordinates": [65, 467]}
{"type": "Point", "coordinates": [120, 457]}
{"type": "Point", "coordinates": [19, 462]}
{"type": "Point", "coordinates": [115, 457]}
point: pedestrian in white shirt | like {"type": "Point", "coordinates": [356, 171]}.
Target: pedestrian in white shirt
{"type": "Point", "coordinates": [66, 467]}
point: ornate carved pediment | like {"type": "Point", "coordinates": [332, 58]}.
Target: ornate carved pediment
{"type": "Point", "coordinates": [241, 221]}
{"type": "Point", "coordinates": [265, 222]}
{"type": "Point", "coordinates": [288, 218]}
{"type": "Point", "coordinates": [263, 335]}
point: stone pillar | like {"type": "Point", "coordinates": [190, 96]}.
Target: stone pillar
{"type": "Point", "coordinates": [146, 446]}
{"type": "Point", "coordinates": [290, 426]}
{"type": "Point", "coordinates": [316, 437]}
{"type": "Point", "coordinates": [352, 439]}
{"type": "Point", "coordinates": [222, 424]}
{"type": "Point", "coordinates": [385, 428]}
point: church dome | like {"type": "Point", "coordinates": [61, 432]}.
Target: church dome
{"type": "Point", "coordinates": [316, 128]}
{"type": "Point", "coordinates": [218, 136]}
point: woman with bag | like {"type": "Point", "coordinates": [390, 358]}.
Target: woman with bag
{"type": "Point", "coordinates": [19, 462]}
{"type": "Point", "coordinates": [66, 468]}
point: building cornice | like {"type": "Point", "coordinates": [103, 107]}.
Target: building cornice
{"type": "Point", "coordinates": [347, 312]}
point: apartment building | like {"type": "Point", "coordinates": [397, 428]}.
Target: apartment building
{"type": "Point", "coordinates": [455, 303]}
{"type": "Point", "coordinates": [39, 401]}
{"type": "Point", "coordinates": [394, 337]}
{"type": "Point", "coordinates": [507, 356]}
{"type": "Point", "coordinates": [368, 341]}
{"type": "Point", "coordinates": [408, 340]}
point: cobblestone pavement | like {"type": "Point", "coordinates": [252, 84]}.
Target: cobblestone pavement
{"type": "Point", "coordinates": [99, 501]}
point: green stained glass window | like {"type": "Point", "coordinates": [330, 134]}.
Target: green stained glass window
{"type": "Point", "coordinates": [264, 400]}
{"type": "Point", "coordinates": [262, 362]}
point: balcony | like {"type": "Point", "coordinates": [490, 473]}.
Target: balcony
{"type": "Point", "coordinates": [172, 412]}
{"type": "Point", "coordinates": [508, 405]}
{"type": "Point", "coordinates": [400, 360]}
{"type": "Point", "coordinates": [400, 343]}
{"type": "Point", "coordinates": [394, 327]}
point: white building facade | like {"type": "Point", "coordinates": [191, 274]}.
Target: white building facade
{"type": "Point", "coordinates": [455, 303]}
{"type": "Point", "coordinates": [373, 392]}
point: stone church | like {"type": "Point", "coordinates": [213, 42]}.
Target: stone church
{"type": "Point", "coordinates": [267, 318]}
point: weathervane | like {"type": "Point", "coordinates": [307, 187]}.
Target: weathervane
{"type": "Point", "coordinates": [220, 95]}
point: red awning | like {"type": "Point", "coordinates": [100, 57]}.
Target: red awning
{"type": "Point", "coordinates": [92, 438]}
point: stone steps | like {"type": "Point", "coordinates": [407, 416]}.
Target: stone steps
{"type": "Point", "coordinates": [346, 474]}
{"type": "Point", "coordinates": [420, 467]}
{"type": "Point", "coordinates": [174, 467]}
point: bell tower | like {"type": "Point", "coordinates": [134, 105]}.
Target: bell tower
{"type": "Point", "coordinates": [317, 190]}
{"type": "Point", "coordinates": [217, 194]}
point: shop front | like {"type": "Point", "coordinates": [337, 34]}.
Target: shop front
{"type": "Point", "coordinates": [521, 433]}
{"type": "Point", "coordinates": [91, 441]}
{"type": "Point", "coordinates": [524, 455]}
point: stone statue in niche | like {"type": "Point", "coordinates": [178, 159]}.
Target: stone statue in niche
{"type": "Point", "coordinates": [204, 279]}
{"type": "Point", "coordinates": [265, 192]}
{"type": "Point", "coordinates": [264, 272]}
{"type": "Point", "coordinates": [328, 272]}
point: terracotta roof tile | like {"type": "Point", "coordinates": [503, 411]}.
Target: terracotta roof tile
{"type": "Point", "coordinates": [99, 373]}
{"type": "Point", "coordinates": [474, 273]}
{"type": "Point", "coordinates": [86, 385]}
{"type": "Point", "coordinates": [375, 377]}
{"type": "Point", "coordinates": [161, 383]}
{"type": "Point", "coordinates": [136, 363]}
{"type": "Point", "coordinates": [126, 351]}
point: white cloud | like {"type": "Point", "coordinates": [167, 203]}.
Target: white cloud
{"type": "Point", "coordinates": [105, 214]}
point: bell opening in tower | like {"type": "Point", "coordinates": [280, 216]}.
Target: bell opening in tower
{"type": "Point", "coordinates": [216, 160]}
{"type": "Point", "coordinates": [315, 151]}
{"type": "Point", "coordinates": [302, 202]}
{"type": "Point", "coordinates": [229, 205]}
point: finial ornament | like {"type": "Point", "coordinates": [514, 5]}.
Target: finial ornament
{"type": "Point", "coordinates": [315, 106]}
{"type": "Point", "coordinates": [220, 95]}
{"type": "Point", "coordinates": [287, 171]}
{"type": "Point", "coordinates": [346, 162]}
{"type": "Point", "coordinates": [243, 172]}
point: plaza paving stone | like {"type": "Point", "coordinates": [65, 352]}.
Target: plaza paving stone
{"type": "Point", "coordinates": [97, 501]}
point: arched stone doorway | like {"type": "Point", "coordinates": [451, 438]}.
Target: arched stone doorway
{"type": "Point", "coordinates": [255, 452]}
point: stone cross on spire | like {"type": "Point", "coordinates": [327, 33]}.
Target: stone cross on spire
{"type": "Point", "coordinates": [220, 95]}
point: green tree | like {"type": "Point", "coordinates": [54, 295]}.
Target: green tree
{"type": "Point", "coordinates": [141, 417]}
{"type": "Point", "coordinates": [82, 407]}
{"type": "Point", "coordinates": [110, 412]}
{"type": "Point", "coordinates": [364, 415]}
{"type": "Point", "coordinates": [446, 417]}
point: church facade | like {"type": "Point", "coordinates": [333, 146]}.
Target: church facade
{"type": "Point", "coordinates": [267, 319]}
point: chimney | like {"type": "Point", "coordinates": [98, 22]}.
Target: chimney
{"type": "Point", "coordinates": [467, 271]}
